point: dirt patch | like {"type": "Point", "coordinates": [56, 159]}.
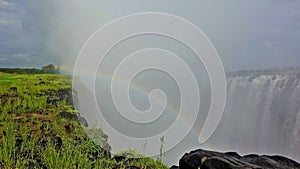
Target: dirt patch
{"type": "Point", "coordinates": [39, 116]}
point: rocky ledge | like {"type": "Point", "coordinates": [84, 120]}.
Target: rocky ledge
{"type": "Point", "coordinates": [215, 160]}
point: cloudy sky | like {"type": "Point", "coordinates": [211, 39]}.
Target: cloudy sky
{"type": "Point", "coordinates": [20, 38]}
{"type": "Point", "coordinates": [247, 34]}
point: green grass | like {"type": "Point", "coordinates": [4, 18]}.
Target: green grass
{"type": "Point", "coordinates": [33, 134]}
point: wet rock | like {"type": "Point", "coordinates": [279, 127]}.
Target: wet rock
{"type": "Point", "coordinates": [52, 101]}
{"type": "Point", "coordinates": [53, 140]}
{"type": "Point", "coordinates": [13, 90]}
{"type": "Point", "coordinates": [57, 141]}
{"type": "Point", "coordinates": [95, 151]}
{"type": "Point", "coordinates": [43, 127]}
{"type": "Point", "coordinates": [5, 98]}
{"type": "Point", "coordinates": [119, 158]}
{"type": "Point", "coordinates": [65, 94]}
{"type": "Point", "coordinates": [68, 115]}
{"type": "Point", "coordinates": [73, 116]}
{"type": "Point", "coordinates": [231, 160]}
{"type": "Point", "coordinates": [50, 92]}
{"type": "Point", "coordinates": [104, 136]}
{"type": "Point", "coordinates": [127, 156]}
{"type": "Point", "coordinates": [83, 121]}
{"type": "Point", "coordinates": [42, 83]}
{"type": "Point", "coordinates": [19, 140]}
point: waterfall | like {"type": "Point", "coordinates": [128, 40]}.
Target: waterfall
{"type": "Point", "coordinates": [262, 115]}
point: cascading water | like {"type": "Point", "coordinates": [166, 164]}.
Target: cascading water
{"type": "Point", "coordinates": [262, 114]}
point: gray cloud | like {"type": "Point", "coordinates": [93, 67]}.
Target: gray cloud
{"type": "Point", "coordinates": [248, 34]}
{"type": "Point", "coordinates": [21, 34]}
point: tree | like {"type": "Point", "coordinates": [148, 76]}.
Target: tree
{"type": "Point", "coordinates": [50, 69]}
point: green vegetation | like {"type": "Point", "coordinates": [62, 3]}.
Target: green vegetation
{"type": "Point", "coordinates": [202, 161]}
{"type": "Point", "coordinates": [49, 69]}
{"type": "Point", "coordinates": [39, 128]}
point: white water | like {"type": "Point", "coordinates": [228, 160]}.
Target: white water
{"type": "Point", "coordinates": [262, 116]}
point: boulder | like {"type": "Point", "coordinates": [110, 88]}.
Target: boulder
{"type": "Point", "coordinates": [215, 160]}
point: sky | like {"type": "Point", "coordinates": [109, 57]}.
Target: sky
{"type": "Point", "coordinates": [247, 34]}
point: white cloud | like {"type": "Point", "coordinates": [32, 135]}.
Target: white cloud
{"type": "Point", "coordinates": [10, 22]}
{"type": "Point", "coordinates": [4, 3]}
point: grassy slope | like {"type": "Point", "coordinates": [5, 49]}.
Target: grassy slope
{"type": "Point", "coordinates": [33, 134]}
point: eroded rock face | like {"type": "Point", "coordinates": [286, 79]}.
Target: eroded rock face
{"type": "Point", "coordinates": [65, 94]}
{"type": "Point", "coordinates": [231, 160]}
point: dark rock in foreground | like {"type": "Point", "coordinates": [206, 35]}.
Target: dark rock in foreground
{"type": "Point", "coordinates": [214, 160]}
